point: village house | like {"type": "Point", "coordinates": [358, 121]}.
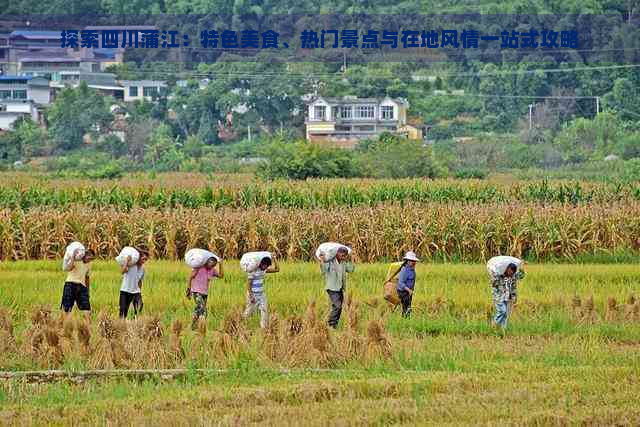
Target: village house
{"type": "Point", "coordinates": [345, 121]}
{"type": "Point", "coordinates": [12, 110]}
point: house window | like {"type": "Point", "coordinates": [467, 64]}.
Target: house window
{"type": "Point", "coordinates": [365, 128]}
{"type": "Point", "coordinates": [320, 112]}
{"type": "Point", "coordinates": [150, 91]}
{"type": "Point", "coordinates": [387, 112]}
{"type": "Point", "coordinates": [346, 112]}
{"type": "Point", "coordinates": [364, 112]}
{"type": "Point", "coordinates": [133, 91]}
{"type": "Point", "coordinates": [20, 94]}
{"type": "Point", "coordinates": [5, 94]}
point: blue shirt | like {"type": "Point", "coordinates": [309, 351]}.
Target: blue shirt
{"type": "Point", "coordinates": [406, 278]}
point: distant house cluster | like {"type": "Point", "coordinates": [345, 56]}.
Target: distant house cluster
{"type": "Point", "coordinates": [34, 67]}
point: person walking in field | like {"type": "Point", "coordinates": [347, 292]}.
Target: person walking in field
{"type": "Point", "coordinates": [335, 275]}
{"type": "Point", "coordinates": [131, 288]}
{"type": "Point", "coordinates": [407, 282]}
{"type": "Point", "coordinates": [198, 287]}
{"type": "Point", "coordinates": [505, 272]}
{"type": "Point", "coordinates": [256, 298]}
{"type": "Point", "coordinates": [76, 286]}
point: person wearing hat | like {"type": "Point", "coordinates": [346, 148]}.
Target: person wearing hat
{"type": "Point", "coordinates": [407, 281]}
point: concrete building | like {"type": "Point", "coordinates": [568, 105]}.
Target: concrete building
{"type": "Point", "coordinates": [4, 53]}
{"type": "Point", "coordinates": [104, 83]}
{"type": "Point", "coordinates": [346, 121]}
{"type": "Point", "coordinates": [38, 53]}
{"type": "Point", "coordinates": [12, 110]}
{"type": "Point", "coordinates": [21, 88]}
{"type": "Point", "coordinates": [137, 90]}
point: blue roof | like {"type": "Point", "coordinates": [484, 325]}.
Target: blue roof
{"type": "Point", "coordinates": [36, 34]}
{"type": "Point", "coordinates": [15, 78]}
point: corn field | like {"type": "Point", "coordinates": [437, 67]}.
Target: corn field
{"type": "Point", "coordinates": [436, 231]}
{"type": "Point", "coordinates": [313, 194]}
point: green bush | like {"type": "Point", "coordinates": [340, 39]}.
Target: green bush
{"type": "Point", "coordinates": [471, 173]}
{"type": "Point", "coordinates": [302, 160]}
{"type": "Point", "coordinates": [395, 157]}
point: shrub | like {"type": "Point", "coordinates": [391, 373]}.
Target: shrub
{"type": "Point", "coordinates": [302, 160]}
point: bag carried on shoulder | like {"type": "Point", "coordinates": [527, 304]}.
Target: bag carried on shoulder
{"type": "Point", "coordinates": [196, 258]}
{"type": "Point", "coordinates": [390, 289]}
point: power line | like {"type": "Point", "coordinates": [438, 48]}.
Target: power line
{"type": "Point", "coordinates": [254, 74]}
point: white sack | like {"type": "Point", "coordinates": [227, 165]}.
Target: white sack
{"type": "Point", "coordinates": [67, 261]}
{"type": "Point", "coordinates": [329, 250]}
{"type": "Point", "coordinates": [496, 266]}
{"type": "Point", "coordinates": [250, 261]}
{"type": "Point", "coordinates": [196, 258]}
{"type": "Point", "coordinates": [128, 251]}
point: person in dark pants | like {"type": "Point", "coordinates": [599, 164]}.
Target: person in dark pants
{"type": "Point", "coordinates": [335, 275]}
{"type": "Point", "coordinates": [131, 289]}
{"type": "Point", "coordinates": [76, 286]}
{"type": "Point", "coordinates": [407, 282]}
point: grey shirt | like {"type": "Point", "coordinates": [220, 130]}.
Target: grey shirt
{"type": "Point", "coordinates": [335, 274]}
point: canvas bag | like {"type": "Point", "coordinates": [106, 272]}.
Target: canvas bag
{"type": "Point", "coordinates": [497, 265]}
{"type": "Point", "coordinates": [68, 260]}
{"type": "Point", "coordinates": [330, 249]}
{"type": "Point", "coordinates": [128, 251]}
{"type": "Point", "coordinates": [196, 258]}
{"type": "Point", "coordinates": [250, 261]}
{"type": "Point", "coordinates": [390, 288]}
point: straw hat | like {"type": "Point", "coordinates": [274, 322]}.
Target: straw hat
{"type": "Point", "coordinates": [411, 256]}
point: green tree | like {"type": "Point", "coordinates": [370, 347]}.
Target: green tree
{"type": "Point", "coordinates": [162, 153]}
{"type": "Point", "coordinates": [76, 112]}
{"type": "Point", "coordinates": [623, 99]}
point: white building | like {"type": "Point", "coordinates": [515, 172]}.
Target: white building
{"type": "Point", "coordinates": [346, 121]}
{"type": "Point", "coordinates": [11, 110]}
{"type": "Point", "coordinates": [137, 90]}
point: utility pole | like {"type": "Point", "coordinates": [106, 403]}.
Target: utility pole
{"type": "Point", "coordinates": [597, 105]}
{"type": "Point", "coordinates": [344, 62]}
{"type": "Point", "coordinates": [530, 116]}
{"type": "Point", "coordinates": [249, 132]}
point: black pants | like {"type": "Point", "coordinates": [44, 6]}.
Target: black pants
{"type": "Point", "coordinates": [405, 299]}
{"type": "Point", "coordinates": [336, 298]}
{"type": "Point", "coordinates": [126, 299]}
{"type": "Point", "coordinates": [75, 293]}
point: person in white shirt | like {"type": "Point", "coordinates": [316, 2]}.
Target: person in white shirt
{"type": "Point", "coordinates": [131, 289]}
{"type": "Point", "coordinates": [256, 298]}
